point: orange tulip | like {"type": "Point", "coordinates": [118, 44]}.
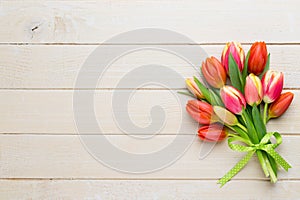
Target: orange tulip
{"type": "Point", "coordinates": [258, 58]}
{"type": "Point", "coordinates": [201, 111]}
{"type": "Point", "coordinates": [214, 72]}
{"type": "Point", "coordinates": [212, 133]}
{"type": "Point", "coordinates": [279, 106]}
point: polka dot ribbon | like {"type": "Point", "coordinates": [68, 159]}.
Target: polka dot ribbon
{"type": "Point", "coordinates": [251, 148]}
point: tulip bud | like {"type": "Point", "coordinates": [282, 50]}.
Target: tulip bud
{"type": "Point", "coordinates": [233, 99]}
{"type": "Point", "coordinates": [225, 116]}
{"type": "Point", "coordinates": [253, 90]}
{"type": "Point", "coordinates": [200, 111]}
{"type": "Point", "coordinates": [212, 133]}
{"type": "Point", "coordinates": [258, 58]}
{"type": "Point", "coordinates": [279, 106]}
{"type": "Point", "coordinates": [237, 52]}
{"type": "Point", "coordinates": [193, 88]}
{"type": "Point", "coordinates": [272, 83]}
{"type": "Point", "coordinates": [214, 72]}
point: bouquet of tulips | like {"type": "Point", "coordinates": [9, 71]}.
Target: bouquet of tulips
{"type": "Point", "coordinates": [240, 97]}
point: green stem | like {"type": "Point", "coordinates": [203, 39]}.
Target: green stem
{"type": "Point", "coordinates": [262, 160]}
{"type": "Point", "coordinates": [230, 127]}
{"type": "Point", "coordinates": [265, 113]}
{"type": "Point", "coordinates": [242, 127]}
{"type": "Point", "coordinates": [273, 176]}
{"type": "Point", "coordinates": [243, 118]}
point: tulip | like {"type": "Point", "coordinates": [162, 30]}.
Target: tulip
{"type": "Point", "coordinates": [214, 72]}
{"type": "Point", "coordinates": [279, 106]}
{"type": "Point", "coordinates": [201, 111]}
{"type": "Point", "coordinates": [193, 88]}
{"type": "Point", "coordinates": [212, 133]}
{"type": "Point", "coordinates": [237, 52]}
{"type": "Point", "coordinates": [272, 83]}
{"type": "Point", "coordinates": [258, 58]}
{"type": "Point", "coordinates": [225, 116]}
{"type": "Point", "coordinates": [233, 99]}
{"type": "Point", "coordinates": [253, 90]}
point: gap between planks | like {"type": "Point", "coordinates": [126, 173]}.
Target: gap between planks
{"type": "Point", "coordinates": [107, 89]}
{"type": "Point", "coordinates": [117, 134]}
{"type": "Point", "coordinates": [149, 179]}
{"type": "Point", "coordinates": [115, 44]}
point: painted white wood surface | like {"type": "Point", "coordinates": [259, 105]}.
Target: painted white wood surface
{"type": "Point", "coordinates": [145, 189]}
{"type": "Point", "coordinates": [96, 21]}
{"type": "Point", "coordinates": [48, 66]}
{"type": "Point", "coordinates": [44, 43]}
{"type": "Point", "coordinates": [51, 112]}
{"type": "Point", "coordinates": [64, 157]}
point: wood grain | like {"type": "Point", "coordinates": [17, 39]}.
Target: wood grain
{"type": "Point", "coordinates": [51, 112]}
{"type": "Point", "coordinates": [147, 190]}
{"type": "Point", "coordinates": [96, 21]}
{"type": "Point", "coordinates": [57, 66]}
{"type": "Point", "coordinates": [64, 157]}
{"type": "Point", "coordinates": [43, 45]}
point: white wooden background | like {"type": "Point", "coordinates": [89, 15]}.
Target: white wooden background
{"type": "Point", "coordinates": [42, 47]}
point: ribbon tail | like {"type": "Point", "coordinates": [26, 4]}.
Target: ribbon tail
{"type": "Point", "coordinates": [240, 165]}
{"type": "Point", "coordinates": [280, 160]}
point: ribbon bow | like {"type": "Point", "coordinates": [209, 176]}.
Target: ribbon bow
{"type": "Point", "coordinates": [264, 145]}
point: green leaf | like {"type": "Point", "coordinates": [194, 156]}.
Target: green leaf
{"type": "Point", "coordinates": [245, 70]}
{"type": "Point", "coordinates": [203, 90]}
{"type": "Point", "coordinates": [187, 94]}
{"type": "Point", "coordinates": [250, 126]}
{"type": "Point", "coordinates": [258, 123]}
{"type": "Point", "coordinates": [240, 131]}
{"type": "Point", "coordinates": [235, 74]}
{"type": "Point", "coordinates": [267, 67]}
{"type": "Point", "coordinates": [216, 100]}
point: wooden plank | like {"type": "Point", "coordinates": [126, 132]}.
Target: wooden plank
{"type": "Point", "coordinates": [51, 112]}
{"type": "Point", "coordinates": [96, 21]}
{"type": "Point", "coordinates": [34, 156]}
{"type": "Point", "coordinates": [168, 190]}
{"type": "Point", "coordinates": [57, 66]}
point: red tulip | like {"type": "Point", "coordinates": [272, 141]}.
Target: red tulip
{"type": "Point", "coordinates": [253, 90]}
{"type": "Point", "coordinates": [201, 111]}
{"type": "Point", "coordinates": [212, 133]}
{"type": "Point", "coordinates": [272, 83]}
{"type": "Point", "coordinates": [279, 106]}
{"type": "Point", "coordinates": [193, 88]}
{"type": "Point", "coordinates": [258, 58]}
{"type": "Point", "coordinates": [233, 99]}
{"type": "Point", "coordinates": [214, 72]}
{"type": "Point", "coordinates": [237, 52]}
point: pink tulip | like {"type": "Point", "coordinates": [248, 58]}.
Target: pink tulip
{"type": "Point", "coordinates": [237, 52]}
{"type": "Point", "coordinates": [212, 133]}
{"type": "Point", "coordinates": [193, 88]}
{"type": "Point", "coordinates": [272, 83]}
{"type": "Point", "coordinates": [233, 99]}
{"type": "Point", "coordinates": [214, 72]}
{"type": "Point", "coordinates": [201, 111]}
{"type": "Point", "coordinates": [253, 90]}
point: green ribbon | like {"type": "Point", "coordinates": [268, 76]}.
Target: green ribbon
{"type": "Point", "coordinates": [264, 145]}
